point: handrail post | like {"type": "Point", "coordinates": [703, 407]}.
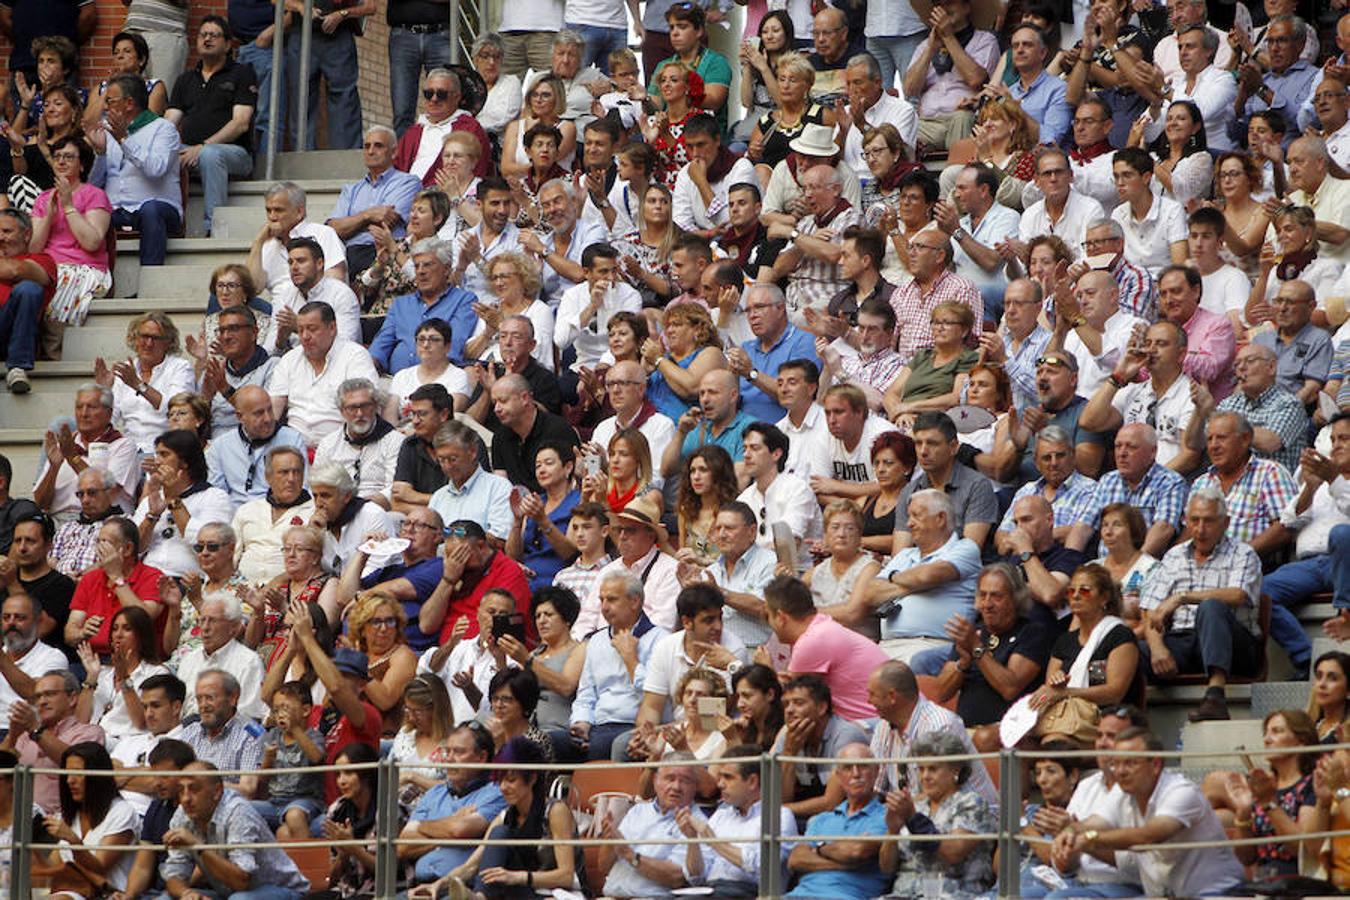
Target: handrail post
{"type": "Point", "coordinates": [386, 818]}
{"type": "Point", "coordinates": [1009, 820]}
{"type": "Point", "coordinates": [275, 121]}
{"type": "Point", "coordinates": [302, 98]}
{"type": "Point", "coordinates": [770, 831]}
{"type": "Point", "coordinates": [21, 833]}
{"type": "Point", "coordinates": [454, 31]}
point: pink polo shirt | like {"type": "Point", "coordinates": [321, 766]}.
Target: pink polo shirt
{"type": "Point", "coordinates": [844, 658]}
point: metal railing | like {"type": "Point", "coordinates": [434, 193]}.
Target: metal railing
{"type": "Point", "coordinates": [387, 841]}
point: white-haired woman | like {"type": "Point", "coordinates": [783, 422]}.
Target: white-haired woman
{"type": "Point", "coordinates": [515, 285]}
{"type": "Point", "coordinates": [344, 518]}
{"type": "Point", "coordinates": [143, 384]}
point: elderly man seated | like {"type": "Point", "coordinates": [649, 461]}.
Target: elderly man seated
{"type": "Point", "coordinates": [419, 150]}
{"type": "Point", "coordinates": [238, 458]}
{"type": "Point", "coordinates": [1279, 421]}
{"type": "Point", "coordinates": [810, 261]}
{"type": "Point", "coordinates": [926, 583]}
{"type": "Point", "coordinates": [381, 199]}
{"type": "Point", "coordinates": [469, 492]}
{"type": "Point", "coordinates": [71, 448]}
{"type": "Point", "coordinates": [222, 620]}
{"type": "Point", "coordinates": [829, 866]}
{"type": "Point", "coordinates": [1200, 605]}
{"type": "Point", "coordinates": [119, 580]}
{"type": "Point", "coordinates": [366, 443]}
{"type": "Point", "coordinates": [395, 345]}
{"type": "Point", "coordinates": [262, 523]}
{"type": "Point", "coordinates": [638, 869]}
{"type": "Point", "coordinates": [287, 219]}
{"type": "Point", "coordinates": [75, 547]}
{"type": "Point", "coordinates": [344, 517]}
{"type": "Point", "coordinates": [1155, 491]}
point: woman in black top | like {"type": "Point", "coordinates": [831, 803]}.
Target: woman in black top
{"type": "Point", "coordinates": [893, 461]}
{"type": "Point", "coordinates": [779, 127]}
{"type": "Point", "coordinates": [352, 816]}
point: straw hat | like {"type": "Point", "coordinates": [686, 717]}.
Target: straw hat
{"type": "Point", "coordinates": [645, 510]}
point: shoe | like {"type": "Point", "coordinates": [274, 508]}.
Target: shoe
{"type": "Point", "coordinates": [17, 381]}
{"type": "Point", "coordinates": [1212, 709]}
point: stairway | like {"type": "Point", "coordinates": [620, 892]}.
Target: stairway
{"type": "Point", "coordinates": [178, 288]}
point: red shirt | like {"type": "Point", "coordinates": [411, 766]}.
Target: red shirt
{"type": "Point", "coordinates": [47, 264]}
{"type": "Point", "coordinates": [94, 595]}
{"type": "Point", "coordinates": [502, 572]}
{"type": "Point", "coordinates": [342, 734]}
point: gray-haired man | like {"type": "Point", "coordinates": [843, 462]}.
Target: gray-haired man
{"type": "Point", "coordinates": [366, 444]}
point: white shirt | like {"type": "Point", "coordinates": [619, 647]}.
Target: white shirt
{"type": "Point", "coordinates": [1225, 290]}
{"type": "Point", "coordinates": [590, 340]}
{"type": "Point", "coordinates": [433, 139]}
{"type": "Point", "coordinates": [895, 110]}
{"type": "Point", "coordinates": [172, 553]}
{"type": "Point", "coordinates": [532, 15]}
{"type": "Point", "coordinates": [467, 656]}
{"type": "Point", "coordinates": [331, 291]}
{"type": "Point", "coordinates": [1214, 92]}
{"type": "Point", "coordinates": [659, 431]}
{"type": "Point", "coordinates": [541, 317]}
{"type": "Point", "coordinates": [133, 414]}
{"type": "Point", "coordinates": [1180, 873]}
{"type": "Point", "coordinates": [1096, 179]}
{"type": "Point", "coordinates": [999, 223]}
{"type": "Point", "coordinates": [257, 551]}
{"type": "Point", "coordinates": [121, 818]}
{"type": "Point", "coordinates": [1092, 370]}
{"type": "Point", "coordinates": [503, 104]}
{"type": "Point", "coordinates": [789, 499]}
{"type": "Point", "coordinates": [1148, 243]}
{"type": "Point", "coordinates": [109, 710]}
{"type": "Point", "coordinates": [119, 459]}
{"type": "Point", "coordinates": [241, 662]}
{"type": "Point", "coordinates": [1330, 507]}
{"type": "Point", "coordinates": [1168, 58]}
{"type": "Point", "coordinates": [727, 822]}
{"type": "Point", "coordinates": [668, 662]}
{"type": "Point", "coordinates": [660, 588]}
{"type": "Point", "coordinates": [599, 13]}
{"type": "Point", "coordinates": [831, 459]}
{"type": "Point", "coordinates": [276, 268]}
{"type": "Point", "coordinates": [371, 465]}
{"type": "Point", "coordinates": [689, 210]}
{"type": "Point", "coordinates": [337, 551]}
{"type": "Point", "coordinates": [1080, 211]}
{"type": "Point", "coordinates": [405, 381]}
{"type": "Point", "coordinates": [311, 397]}
{"type": "Point", "coordinates": [1091, 795]}
{"type": "Point", "coordinates": [1338, 145]}
{"type": "Point", "coordinates": [801, 439]}
{"type": "Point", "coordinates": [131, 751]}
{"type": "Point", "coordinates": [1169, 416]}
{"type": "Point", "coordinates": [38, 661]}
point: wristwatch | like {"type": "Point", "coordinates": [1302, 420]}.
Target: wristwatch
{"type": "Point", "coordinates": [754, 375]}
{"type": "Point", "coordinates": [1342, 794]}
{"type": "Point", "coordinates": [1090, 836]}
{"type": "Point", "coordinates": [959, 235]}
{"type": "Point", "coordinates": [1025, 556]}
{"type": "Point", "coordinates": [792, 238]}
{"type": "Point", "coordinates": [979, 651]}
{"type": "Point", "coordinates": [37, 732]}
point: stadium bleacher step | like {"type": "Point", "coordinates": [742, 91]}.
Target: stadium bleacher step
{"type": "Point", "coordinates": [1223, 738]}
{"type": "Point", "coordinates": [178, 282]}
{"type": "Point", "coordinates": [296, 166]}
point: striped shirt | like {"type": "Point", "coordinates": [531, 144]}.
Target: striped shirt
{"type": "Point", "coordinates": [1021, 366]}
{"type": "Point", "coordinates": [1232, 564]}
{"type": "Point", "coordinates": [1256, 498]}
{"type": "Point", "coordinates": [1138, 291]}
{"type": "Point", "coordinates": [1075, 500]}
{"type": "Point", "coordinates": [927, 718]}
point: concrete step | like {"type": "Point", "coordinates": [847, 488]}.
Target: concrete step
{"type": "Point", "coordinates": [333, 163]}
{"type": "Point", "coordinates": [241, 222]}
{"type": "Point", "coordinates": [117, 312]}
{"type": "Point", "coordinates": [178, 282]}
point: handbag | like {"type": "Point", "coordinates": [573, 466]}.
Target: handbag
{"type": "Point", "coordinates": [1074, 717]}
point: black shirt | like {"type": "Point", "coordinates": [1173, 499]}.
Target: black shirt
{"type": "Point", "coordinates": [1067, 648]}
{"type": "Point", "coordinates": [207, 105]}
{"type": "Point", "coordinates": [250, 18]}
{"type": "Point", "coordinates": [1057, 559]}
{"type": "Point", "coordinates": [39, 18]}
{"type": "Point", "coordinates": [53, 592]}
{"type": "Point", "coordinates": [417, 466]}
{"type": "Point", "coordinates": [515, 456]}
{"type": "Point", "coordinates": [979, 703]}
{"type": "Point", "coordinates": [543, 385]}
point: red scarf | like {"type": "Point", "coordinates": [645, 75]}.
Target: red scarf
{"type": "Point", "coordinates": [823, 220]}
{"type": "Point", "coordinates": [1293, 264]}
{"type": "Point", "coordinates": [107, 437]}
{"type": "Point", "coordinates": [1085, 155]}
{"type": "Point", "coordinates": [891, 180]}
{"type": "Point", "coordinates": [618, 501]}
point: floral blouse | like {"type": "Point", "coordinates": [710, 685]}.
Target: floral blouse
{"type": "Point", "coordinates": [964, 810]}
{"type": "Point", "coordinates": [1278, 856]}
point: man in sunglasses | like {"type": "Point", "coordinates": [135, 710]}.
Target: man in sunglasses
{"type": "Point", "coordinates": [1060, 404]}
{"type": "Point", "coordinates": [419, 149]}
{"type": "Point", "coordinates": [74, 549]}
{"type": "Point", "coordinates": [471, 567]}
{"type": "Point", "coordinates": [411, 580]}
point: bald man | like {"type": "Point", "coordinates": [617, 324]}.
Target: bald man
{"type": "Point", "coordinates": [522, 428]}
{"type": "Point", "coordinates": [717, 419]}
{"type": "Point", "coordinates": [1045, 562]}
{"type": "Point", "coordinates": [1158, 493]}
{"type": "Point", "coordinates": [1098, 335]}
{"type": "Point", "coordinates": [626, 387]}
{"type": "Point", "coordinates": [237, 459]}
{"type": "Point", "coordinates": [1309, 174]}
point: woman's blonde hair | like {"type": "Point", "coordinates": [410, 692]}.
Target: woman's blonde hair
{"type": "Point", "coordinates": [1010, 111]}
{"type": "Point", "coordinates": [524, 267]}
{"type": "Point", "coordinates": [639, 447]}
{"type": "Point", "coordinates": [696, 317]}
{"type": "Point", "coordinates": [798, 65]}
{"type": "Point", "coordinates": [717, 686]}
{"type": "Point", "coordinates": [313, 538]}
{"type": "Point", "coordinates": [364, 609]}
{"type": "Point", "coordinates": [958, 311]}
{"type": "Point", "coordinates": [559, 95]}
{"type": "Point", "coordinates": [844, 507]}
{"type": "Point", "coordinates": [468, 143]}
{"type": "Point", "coordinates": [165, 325]}
{"type": "Point", "coordinates": [673, 231]}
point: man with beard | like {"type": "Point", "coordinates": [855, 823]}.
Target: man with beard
{"type": "Point", "coordinates": [259, 525]}
{"type": "Point", "coordinates": [27, 571]}
{"type": "Point", "coordinates": [411, 580]}
{"type": "Point", "coordinates": [874, 365]}
{"type": "Point", "coordinates": [66, 449]}
{"type": "Point", "coordinates": [1060, 404]}
{"type": "Point", "coordinates": [25, 658]}
{"type": "Point", "coordinates": [417, 474]}
{"type": "Point", "coordinates": [237, 459]}
{"type": "Point", "coordinates": [308, 284]}
{"type": "Point", "coordinates": [366, 444]}
{"type": "Point", "coordinates": [494, 235]}
{"type": "Point", "coordinates": [224, 735]}
{"type": "Point", "coordinates": [241, 362]}
{"type": "Point", "coordinates": [74, 549]}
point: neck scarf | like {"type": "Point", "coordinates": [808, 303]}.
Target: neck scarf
{"type": "Point", "coordinates": [891, 180]}
{"type": "Point", "coordinates": [345, 517]}
{"type": "Point", "coordinates": [277, 504]}
{"type": "Point", "coordinates": [380, 429]}
{"type": "Point", "coordinates": [721, 166]}
{"type": "Point", "coordinates": [1293, 264]}
{"type": "Point", "coordinates": [253, 444]}
{"type": "Point", "coordinates": [109, 435]}
{"type": "Point", "coordinates": [144, 118]}
{"type": "Point", "coordinates": [1085, 155]}
{"type": "Point", "coordinates": [113, 510]}
{"type": "Point", "coordinates": [839, 206]}
{"type": "Point", "coordinates": [942, 60]}
{"type": "Point", "coordinates": [618, 501]}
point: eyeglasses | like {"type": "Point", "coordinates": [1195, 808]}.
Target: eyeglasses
{"type": "Point", "coordinates": [915, 245]}
{"type": "Point", "coordinates": [501, 700]}
{"type": "Point", "coordinates": [502, 276]}
{"type": "Point", "coordinates": [457, 531]}
{"type": "Point", "coordinates": [231, 329]}
{"type": "Point", "coordinates": [1232, 173]}
{"type": "Point", "coordinates": [1098, 242]}
{"type": "Point", "coordinates": [294, 549]}
{"type": "Point", "coordinates": [1052, 173]}
{"type": "Point", "coordinates": [436, 94]}
{"type": "Point", "coordinates": [410, 525]}
{"type": "Point", "coordinates": [383, 622]}
{"type": "Point", "coordinates": [66, 157]}
{"type": "Point", "coordinates": [145, 336]}
{"type": "Point", "coordinates": [873, 153]}
{"type": "Point", "coordinates": [948, 323]}
{"type": "Point", "coordinates": [206, 546]}
{"type": "Point", "coordinates": [763, 520]}
{"type": "Point", "coordinates": [231, 285]}
{"type": "Point", "coordinates": [357, 407]}
{"type": "Point", "coordinates": [622, 382]}
{"type": "Point", "coordinates": [432, 338]}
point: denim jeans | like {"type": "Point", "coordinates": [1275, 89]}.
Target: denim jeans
{"type": "Point", "coordinates": [260, 58]}
{"type": "Point", "coordinates": [265, 892]}
{"type": "Point", "coordinates": [332, 56]}
{"type": "Point", "coordinates": [439, 862]}
{"type": "Point", "coordinates": [19, 324]}
{"type": "Point", "coordinates": [893, 55]}
{"type": "Point", "coordinates": [409, 56]}
{"type": "Point", "coordinates": [1289, 585]}
{"type": "Point", "coordinates": [154, 220]}
{"type": "Point", "coordinates": [215, 165]}
{"type": "Point", "coordinates": [1218, 641]}
{"type": "Point", "coordinates": [929, 662]}
{"type": "Point", "coordinates": [600, 43]}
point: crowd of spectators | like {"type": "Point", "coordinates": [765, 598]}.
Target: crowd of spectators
{"type": "Point", "coordinates": [593, 425]}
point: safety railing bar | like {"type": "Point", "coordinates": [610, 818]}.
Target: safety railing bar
{"type": "Point", "coordinates": [675, 842]}
{"type": "Point", "coordinates": [275, 122]}
{"type": "Point", "coordinates": [302, 86]}
{"type": "Point", "coordinates": [294, 770]}
{"type": "Point", "coordinates": [1201, 845]}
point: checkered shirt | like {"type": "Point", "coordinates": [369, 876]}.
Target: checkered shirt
{"type": "Point", "coordinates": [877, 370]}
{"type": "Point", "coordinates": [1255, 500]}
{"type": "Point", "coordinates": [815, 281]}
{"type": "Point", "coordinates": [1233, 564]}
{"type": "Point", "coordinates": [1160, 497]}
{"type": "Point", "coordinates": [914, 310]}
{"type": "Point", "coordinates": [1075, 501]}
{"type": "Point", "coordinates": [1279, 411]}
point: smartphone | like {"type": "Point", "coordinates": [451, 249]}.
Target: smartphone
{"type": "Point", "coordinates": [590, 464]}
{"type": "Point", "coordinates": [512, 624]}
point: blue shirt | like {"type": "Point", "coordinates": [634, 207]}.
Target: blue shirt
{"type": "Point", "coordinates": [924, 614]}
{"type": "Point", "coordinates": [1021, 366]}
{"type": "Point", "coordinates": [485, 498]}
{"type": "Point", "coordinates": [663, 396]}
{"type": "Point", "coordinates": [395, 346]}
{"type": "Point", "coordinates": [423, 575]}
{"type": "Point", "coordinates": [1046, 101]}
{"type": "Point", "coordinates": [731, 439]}
{"type": "Point", "coordinates": [551, 283]}
{"type": "Point", "coordinates": [238, 466]}
{"type": "Point", "coordinates": [606, 693]}
{"type": "Point", "coordinates": [751, 572]}
{"type": "Point", "coordinates": [441, 802]}
{"type": "Point", "coordinates": [538, 554]}
{"type": "Point", "coordinates": [1075, 501]}
{"type": "Point", "coordinates": [392, 188]}
{"type": "Point", "coordinates": [854, 883]}
{"type": "Point", "coordinates": [144, 167]}
{"type": "Point", "coordinates": [1289, 90]}
{"type": "Point", "coordinates": [1307, 356]}
{"type": "Point", "coordinates": [793, 343]}
{"type": "Point", "coordinates": [1160, 497]}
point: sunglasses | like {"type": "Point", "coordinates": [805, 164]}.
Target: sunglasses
{"type": "Point", "coordinates": [458, 531]}
{"type": "Point", "coordinates": [1050, 361]}
{"type": "Point", "coordinates": [202, 546]}
{"type": "Point", "coordinates": [435, 94]}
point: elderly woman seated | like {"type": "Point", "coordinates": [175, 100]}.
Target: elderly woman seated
{"type": "Point", "coordinates": [946, 806]}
